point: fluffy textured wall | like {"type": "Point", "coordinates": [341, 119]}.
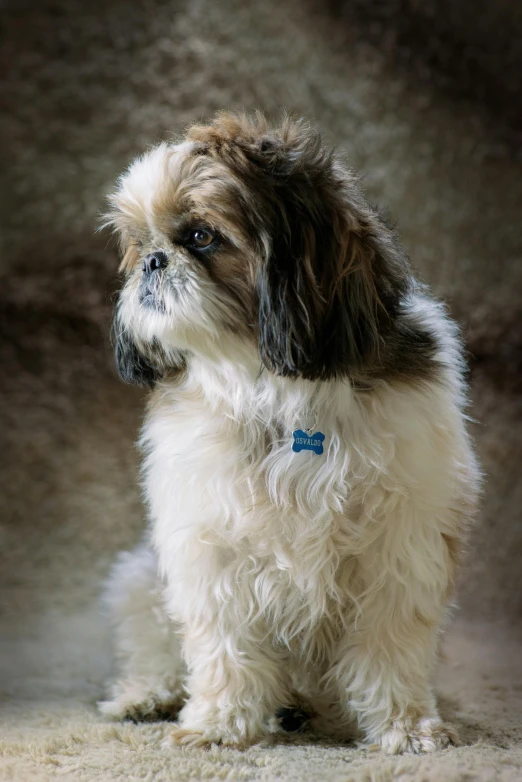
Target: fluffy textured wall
{"type": "Point", "coordinates": [424, 105]}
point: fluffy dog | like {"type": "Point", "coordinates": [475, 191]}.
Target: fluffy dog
{"type": "Point", "coordinates": [263, 295]}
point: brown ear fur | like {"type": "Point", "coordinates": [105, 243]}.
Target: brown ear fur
{"type": "Point", "coordinates": [329, 286]}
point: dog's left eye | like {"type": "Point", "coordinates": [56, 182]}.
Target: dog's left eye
{"type": "Point", "coordinates": [201, 238]}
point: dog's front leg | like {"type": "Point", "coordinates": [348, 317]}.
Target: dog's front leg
{"type": "Point", "coordinates": [384, 663]}
{"type": "Point", "coordinates": [237, 679]}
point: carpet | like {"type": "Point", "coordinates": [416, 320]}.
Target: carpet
{"type": "Point", "coordinates": [85, 87]}
{"type": "Point", "coordinates": [51, 730]}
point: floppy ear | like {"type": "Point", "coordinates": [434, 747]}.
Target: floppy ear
{"type": "Point", "coordinates": [331, 278]}
{"type": "Point", "coordinates": [133, 367]}
{"type": "Point", "coordinates": [330, 286]}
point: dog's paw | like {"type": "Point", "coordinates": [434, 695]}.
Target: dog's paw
{"type": "Point", "coordinates": [143, 705]}
{"type": "Point", "coordinates": [230, 729]}
{"type": "Point", "coordinates": [190, 737]}
{"type": "Point", "coordinates": [203, 723]}
{"type": "Point", "coordinates": [206, 737]}
{"type": "Point", "coordinates": [202, 739]}
{"type": "Point", "coordinates": [428, 734]}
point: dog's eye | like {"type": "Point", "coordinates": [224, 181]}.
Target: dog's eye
{"type": "Point", "coordinates": [201, 238]}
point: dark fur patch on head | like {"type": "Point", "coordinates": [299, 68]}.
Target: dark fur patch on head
{"type": "Point", "coordinates": [332, 281]}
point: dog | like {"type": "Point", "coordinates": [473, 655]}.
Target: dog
{"type": "Point", "coordinates": [306, 465]}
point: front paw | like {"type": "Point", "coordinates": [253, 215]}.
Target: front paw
{"type": "Point", "coordinates": [202, 724]}
{"type": "Point", "coordinates": [203, 737]}
{"type": "Point", "coordinates": [427, 734]}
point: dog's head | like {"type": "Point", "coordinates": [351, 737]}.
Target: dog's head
{"type": "Point", "coordinates": [256, 234]}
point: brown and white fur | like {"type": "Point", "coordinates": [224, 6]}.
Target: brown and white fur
{"type": "Point", "coordinates": [263, 294]}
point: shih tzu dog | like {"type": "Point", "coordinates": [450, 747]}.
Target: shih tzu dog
{"type": "Point", "coordinates": [307, 470]}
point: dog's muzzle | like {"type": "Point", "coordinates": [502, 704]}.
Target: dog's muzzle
{"type": "Point", "coordinates": [153, 264]}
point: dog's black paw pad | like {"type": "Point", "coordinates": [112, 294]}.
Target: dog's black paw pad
{"type": "Point", "coordinates": [292, 719]}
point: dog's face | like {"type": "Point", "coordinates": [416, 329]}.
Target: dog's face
{"type": "Point", "coordinates": [255, 234]}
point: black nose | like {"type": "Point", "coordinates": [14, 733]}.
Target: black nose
{"type": "Point", "coordinates": [157, 260]}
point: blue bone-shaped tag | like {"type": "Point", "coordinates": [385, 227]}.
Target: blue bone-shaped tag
{"type": "Point", "coordinates": [308, 442]}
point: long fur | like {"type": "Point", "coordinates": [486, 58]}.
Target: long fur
{"type": "Point", "coordinates": [285, 573]}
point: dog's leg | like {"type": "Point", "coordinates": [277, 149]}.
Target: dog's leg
{"type": "Point", "coordinates": [236, 684]}
{"type": "Point", "coordinates": [237, 680]}
{"type": "Point", "coordinates": [384, 662]}
{"type": "Point", "coordinates": [150, 683]}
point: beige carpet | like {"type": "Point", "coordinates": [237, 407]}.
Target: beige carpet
{"type": "Point", "coordinates": [425, 105]}
{"type": "Point", "coordinates": [50, 729]}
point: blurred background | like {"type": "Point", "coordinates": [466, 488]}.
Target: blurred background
{"type": "Point", "coordinates": [426, 100]}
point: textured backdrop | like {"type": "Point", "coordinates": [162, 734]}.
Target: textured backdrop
{"type": "Point", "coordinates": [425, 100]}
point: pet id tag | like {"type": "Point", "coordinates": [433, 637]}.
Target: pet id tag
{"type": "Point", "coordinates": [308, 442]}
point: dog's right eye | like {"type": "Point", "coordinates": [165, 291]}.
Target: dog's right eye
{"type": "Point", "coordinates": [201, 238]}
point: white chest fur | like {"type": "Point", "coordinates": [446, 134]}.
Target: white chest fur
{"type": "Point", "coordinates": [236, 512]}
